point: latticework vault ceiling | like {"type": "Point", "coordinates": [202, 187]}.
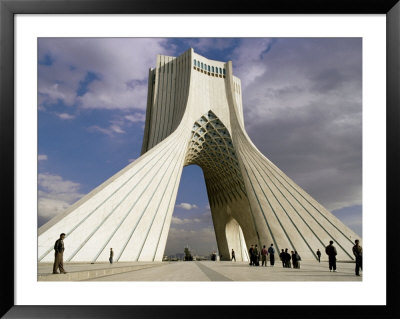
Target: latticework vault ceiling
{"type": "Point", "coordinates": [212, 149]}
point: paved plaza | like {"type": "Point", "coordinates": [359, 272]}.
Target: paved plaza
{"type": "Point", "coordinates": [197, 271]}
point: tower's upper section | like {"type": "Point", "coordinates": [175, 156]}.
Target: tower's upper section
{"type": "Point", "coordinates": [184, 88]}
{"type": "Point", "coordinates": [209, 67]}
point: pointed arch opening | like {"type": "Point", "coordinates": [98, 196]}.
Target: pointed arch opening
{"type": "Point", "coordinates": [191, 223]}
{"type": "Point", "coordinates": [235, 239]}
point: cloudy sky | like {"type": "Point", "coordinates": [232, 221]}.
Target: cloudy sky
{"type": "Point", "coordinates": [302, 107]}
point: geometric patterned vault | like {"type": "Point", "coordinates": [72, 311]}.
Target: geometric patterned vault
{"type": "Point", "coordinates": [194, 115]}
{"type": "Point", "coordinates": [211, 148]}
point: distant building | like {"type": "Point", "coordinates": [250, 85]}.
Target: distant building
{"type": "Point", "coordinates": [180, 256]}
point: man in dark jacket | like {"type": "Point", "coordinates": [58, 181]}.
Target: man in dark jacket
{"type": "Point", "coordinates": [271, 252]}
{"type": "Point", "coordinates": [111, 259]}
{"type": "Point", "coordinates": [294, 260]}
{"type": "Point", "coordinates": [357, 251]}
{"type": "Point", "coordinates": [319, 255]}
{"type": "Point", "coordinates": [256, 256]}
{"type": "Point", "coordinates": [58, 256]}
{"type": "Point", "coordinates": [331, 252]}
{"type": "Point", "coordinates": [288, 257]}
{"type": "Point", "coordinates": [251, 255]}
{"type": "Point", "coordinates": [282, 256]}
{"type": "Point", "coordinates": [298, 258]}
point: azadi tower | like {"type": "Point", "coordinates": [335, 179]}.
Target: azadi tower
{"type": "Point", "coordinates": [194, 116]}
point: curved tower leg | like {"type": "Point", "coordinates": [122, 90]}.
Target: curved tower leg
{"type": "Point", "coordinates": [131, 212]}
{"type": "Point", "coordinates": [284, 213]}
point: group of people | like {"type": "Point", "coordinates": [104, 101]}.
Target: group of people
{"type": "Point", "coordinates": [289, 259]}
{"type": "Point", "coordinates": [330, 250]}
{"type": "Point", "coordinates": [293, 258]}
{"type": "Point", "coordinates": [255, 255]}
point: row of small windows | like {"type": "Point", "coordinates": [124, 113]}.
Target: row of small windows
{"type": "Point", "coordinates": [208, 68]}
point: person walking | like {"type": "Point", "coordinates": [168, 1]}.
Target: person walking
{"type": "Point", "coordinates": [282, 256]}
{"type": "Point", "coordinates": [233, 255]}
{"type": "Point", "coordinates": [357, 251]}
{"type": "Point", "coordinates": [111, 256]}
{"type": "Point", "coordinates": [319, 255]}
{"type": "Point", "coordinates": [264, 254]}
{"type": "Point", "coordinates": [251, 255]}
{"type": "Point", "coordinates": [58, 255]}
{"type": "Point", "coordinates": [331, 252]}
{"type": "Point", "coordinates": [271, 252]}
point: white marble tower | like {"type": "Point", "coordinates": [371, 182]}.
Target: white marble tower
{"type": "Point", "coordinates": [194, 116]}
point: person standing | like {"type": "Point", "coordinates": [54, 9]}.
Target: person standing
{"type": "Point", "coordinates": [319, 255]}
{"type": "Point", "coordinates": [271, 252]}
{"type": "Point", "coordinates": [256, 255]}
{"type": "Point", "coordinates": [233, 255]}
{"type": "Point", "coordinates": [58, 255]}
{"type": "Point", "coordinates": [294, 260]}
{"type": "Point", "coordinates": [357, 251]}
{"type": "Point", "coordinates": [298, 258]}
{"type": "Point", "coordinates": [287, 259]}
{"type": "Point", "coordinates": [331, 252]}
{"type": "Point", "coordinates": [264, 254]}
{"type": "Point", "coordinates": [282, 256]}
{"type": "Point", "coordinates": [251, 255]}
{"type": "Point", "coordinates": [111, 256]}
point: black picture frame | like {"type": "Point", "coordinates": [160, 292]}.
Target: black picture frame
{"type": "Point", "coordinates": [8, 10]}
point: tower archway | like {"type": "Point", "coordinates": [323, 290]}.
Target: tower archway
{"type": "Point", "coordinates": [211, 147]}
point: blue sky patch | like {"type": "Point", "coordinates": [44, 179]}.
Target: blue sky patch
{"type": "Point", "coordinates": [46, 60]}
{"type": "Point", "coordinates": [84, 84]}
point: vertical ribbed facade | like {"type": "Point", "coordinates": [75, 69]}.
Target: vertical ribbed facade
{"type": "Point", "coordinates": [194, 116]}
